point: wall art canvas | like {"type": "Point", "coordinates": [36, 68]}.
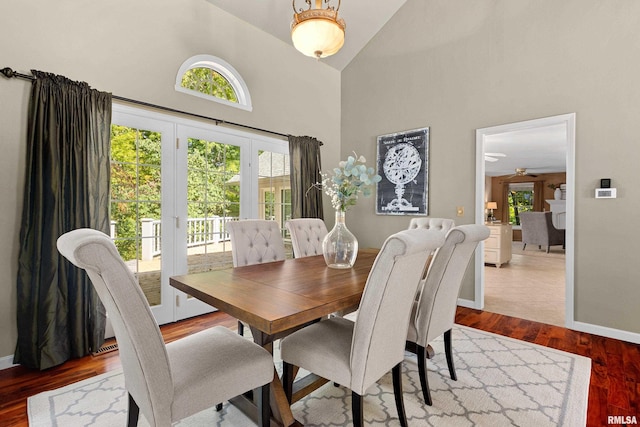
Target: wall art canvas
{"type": "Point", "coordinates": [403, 164]}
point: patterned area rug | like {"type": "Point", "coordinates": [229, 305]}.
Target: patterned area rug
{"type": "Point", "coordinates": [501, 382]}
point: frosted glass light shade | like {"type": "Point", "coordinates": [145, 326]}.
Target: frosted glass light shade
{"type": "Point", "coordinates": [318, 37]}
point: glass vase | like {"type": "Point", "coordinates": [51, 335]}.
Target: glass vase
{"type": "Point", "coordinates": [340, 246]}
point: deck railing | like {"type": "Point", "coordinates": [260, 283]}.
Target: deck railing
{"type": "Point", "coordinates": [200, 231]}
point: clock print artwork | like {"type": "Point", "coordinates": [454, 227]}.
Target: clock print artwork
{"type": "Point", "coordinates": [403, 164]}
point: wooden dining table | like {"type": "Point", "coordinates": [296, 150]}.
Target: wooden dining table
{"type": "Point", "coordinates": [276, 299]}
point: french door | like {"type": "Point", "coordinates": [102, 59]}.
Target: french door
{"type": "Point", "coordinates": [175, 184]}
{"type": "Point", "coordinates": [222, 176]}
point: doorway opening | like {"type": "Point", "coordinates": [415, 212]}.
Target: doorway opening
{"type": "Point", "coordinates": [524, 159]}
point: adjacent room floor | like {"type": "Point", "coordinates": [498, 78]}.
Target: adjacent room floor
{"type": "Point", "coordinates": [530, 286]}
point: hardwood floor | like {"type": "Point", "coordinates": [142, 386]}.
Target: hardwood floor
{"type": "Point", "coordinates": [615, 370]}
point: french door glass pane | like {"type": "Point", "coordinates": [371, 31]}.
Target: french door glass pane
{"type": "Point", "coordinates": [274, 197]}
{"type": "Point", "coordinates": [213, 198]}
{"type": "Point", "coordinates": [136, 204]}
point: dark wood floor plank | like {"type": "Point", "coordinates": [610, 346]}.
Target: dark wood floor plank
{"type": "Point", "coordinates": [615, 368]}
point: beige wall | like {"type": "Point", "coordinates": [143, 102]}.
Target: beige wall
{"type": "Point", "coordinates": [134, 49]}
{"type": "Point", "coordinates": [460, 65]}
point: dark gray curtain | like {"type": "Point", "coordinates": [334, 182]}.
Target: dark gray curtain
{"type": "Point", "coordinates": [304, 157]}
{"type": "Point", "coordinates": [66, 187]}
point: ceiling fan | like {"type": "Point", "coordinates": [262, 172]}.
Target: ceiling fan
{"type": "Point", "coordinates": [522, 172]}
{"type": "Point", "coordinates": [493, 157]}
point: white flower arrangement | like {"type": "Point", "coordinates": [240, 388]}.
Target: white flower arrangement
{"type": "Point", "coordinates": [351, 178]}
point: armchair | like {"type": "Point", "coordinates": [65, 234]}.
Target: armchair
{"type": "Point", "coordinates": [538, 229]}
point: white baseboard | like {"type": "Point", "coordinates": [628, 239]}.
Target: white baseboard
{"type": "Point", "coordinates": [467, 303]}
{"type": "Point", "coordinates": [7, 362]}
{"type": "Point", "coordinates": [605, 331]}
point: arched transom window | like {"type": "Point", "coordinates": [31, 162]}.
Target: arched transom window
{"type": "Point", "coordinates": [212, 78]}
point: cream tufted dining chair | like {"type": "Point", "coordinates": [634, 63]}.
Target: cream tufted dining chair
{"type": "Point", "coordinates": [357, 354]}
{"type": "Point", "coordinates": [433, 224]}
{"type": "Point", "coordinates": [255, 241]}
{"type": "Point", "coordinates": [306, 236]}
{"type": "Point", "coordinates": [434, 312]}
{"type": "Point", "coordinates": [167, 382]}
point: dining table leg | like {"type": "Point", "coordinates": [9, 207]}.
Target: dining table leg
{"type": "Point", "coordinates": [280, 407]}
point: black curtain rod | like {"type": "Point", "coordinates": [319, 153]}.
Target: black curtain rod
{"type": "Point", "coordinates": [9, 73]}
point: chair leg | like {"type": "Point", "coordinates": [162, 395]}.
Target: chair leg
{"type": "Point", "coordinates": [240, 328]}
{"type": "Point", "coordinates": [449, 354]}
{"type": "Point", "coordinates": [287, 380]}
{"type": "Point", "coordinates": [262, 401]}
{"type": "Point", "coordinates": [134, 412]}
{"type": "Point", "coordinates": [422, 372]}
{"type": "Point", "coordinates": [397, 391]}
{"type": "Point", "coordinates": [356, 409]}
{"type": "Point", "coordinates": [524, 245]}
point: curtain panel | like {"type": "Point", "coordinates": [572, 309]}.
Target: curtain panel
{"type": "Point", "coordinates": [305, 167]}
{"type": "Point", "coordinates": [66, 187]}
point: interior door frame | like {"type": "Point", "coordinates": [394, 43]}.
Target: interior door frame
{"type": "Point", "coordinates": [569, 121]}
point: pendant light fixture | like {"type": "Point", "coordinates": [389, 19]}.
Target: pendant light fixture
{"type": "Point", "coordinates": [317, 32]}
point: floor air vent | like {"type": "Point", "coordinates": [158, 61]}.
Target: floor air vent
{"type": "Point", "coordinates": [106, 349]}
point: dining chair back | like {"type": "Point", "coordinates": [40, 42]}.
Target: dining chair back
{"type": "Point", "coordinates": [307, 235]}
{"type": "Point", "coordinates": [356, 355]}
{"type": "Point", "coordinates": [434, 311]}
{"type": "Point", "coordinates": [166, 382]}
{"type": "Point", "coordinates": [255, 241]}
{"type": "Point", "coordinates": [432, 223]}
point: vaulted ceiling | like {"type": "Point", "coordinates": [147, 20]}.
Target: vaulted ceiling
{"type": "Point", "coordinates": [364, 18]}
{"type": "Point", "coordinates": [541, 150]}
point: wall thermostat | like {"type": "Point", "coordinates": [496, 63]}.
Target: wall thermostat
{"type": "Point", "coordinates": [605, 193]}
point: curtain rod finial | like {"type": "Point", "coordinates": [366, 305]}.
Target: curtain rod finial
{"type": "Point", "coordinates": [8, 72]}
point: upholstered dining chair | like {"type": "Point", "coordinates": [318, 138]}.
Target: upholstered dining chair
{"type": "Point", "coordinates": [357, 354]}
{"type": "Point", "coordinates": [167, 382]}
{"type": "Point", "coordinates": [255, 241]}
{"type": "Point", "coordinates": [432, 223]}
{"type": "Point", "coordinates": [434, 312]}
{"type": "Point", "coordinates": [538, 229]}
{"type": "Point", "coordinates": [306, 236]}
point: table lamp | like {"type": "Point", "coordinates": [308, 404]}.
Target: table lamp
{"type": "Point", "coordinates": [491, 206]}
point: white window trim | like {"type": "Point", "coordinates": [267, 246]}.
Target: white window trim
{"type": "Point", "coordinates": [226, 70]}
